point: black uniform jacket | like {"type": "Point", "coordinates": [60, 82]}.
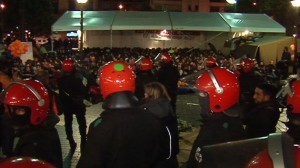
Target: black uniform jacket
{"type": "Point", "coordinates": [72, 92]}
{"type": "Point", "coordinates": [168, 75]}
{"type": "Point", "coordinates": [162, 109]}
{"type": "Point", "coordinates": [42, 143]}
{"type": "Point", "coordinates": [262, 119]}
{"type": "Point", "coordinates": [122, 138]}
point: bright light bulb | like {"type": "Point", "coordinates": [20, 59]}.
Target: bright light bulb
{"type": "Point", "coordinates": [82, 1]}
{"type": "Point", "coordinates": [231, 1]}
{"type": "Point", "coordinates": [296, 3]}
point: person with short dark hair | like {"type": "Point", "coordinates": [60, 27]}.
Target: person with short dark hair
{"type": "Point", "coordinates": [286, 55]}
{"type": "Point", "coordinates": [261, 119]}
{"type": "Point", "coordinates": [285, 62]}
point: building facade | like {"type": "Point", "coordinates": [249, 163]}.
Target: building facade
{"type": "Point", "coordinates": [146, 5]}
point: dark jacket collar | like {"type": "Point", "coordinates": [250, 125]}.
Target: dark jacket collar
{"type": "Point", "coordinates": [120, 100]}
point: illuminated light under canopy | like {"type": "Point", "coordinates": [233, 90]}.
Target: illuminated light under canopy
{"type": "Point", "coordinates": [246, 32]}
{"type": "Point", "coordinates": [72, 34]}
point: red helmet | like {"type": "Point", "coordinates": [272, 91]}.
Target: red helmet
{"type": "Point", "coordinates": [68, 65]}
{"type": "Point", "coordinates": [211, 62]}
{"type": "Point", "coordinates": [116, 76]}
{"type": "Point", "coordinates": [146, 64]}
{"type": "Point", "coordinates": [295, 97]}
{"type": "Point", "coordinates": [263, 160]}
{"type": "Point", "coordinates": [24, 162]}
{"type": "Point", "coordinates": [247, 64]}
{"type": "Point", "coordinates": [222, 86]}
{"type": "Point", "coordinates": [28, 93]}
{"type": "Point", "coordinates": [166, 57]}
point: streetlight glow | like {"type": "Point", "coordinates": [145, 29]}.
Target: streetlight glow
{"type": "Point", "coordinates": [2, 6]}
{"type": "Point", "coordinates": [82, 1]}
{"type": "Point", "coordinates": [231, 1]}
{"type": "Point", "coordinates": [121, 6]}
{"type": "Point", "coordinates": [296, 3]}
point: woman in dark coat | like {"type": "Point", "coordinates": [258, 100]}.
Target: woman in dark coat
{"type": "Point", "coordinates": [157, 101]}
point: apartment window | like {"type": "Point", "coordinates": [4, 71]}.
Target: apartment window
{"type": "Point", "coordinates": [196, 8]}
{"type": "Point", "coordinates": [214, 9]}
{"type": "Point", "coordinates": [72, 5]}
{"type": "Point", "coordinates": [189, 8]}
{"type": "Point", "coordinates": [55, 6]}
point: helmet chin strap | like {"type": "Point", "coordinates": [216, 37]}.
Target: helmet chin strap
{"type": "Point", "coordinates": [219, 89]}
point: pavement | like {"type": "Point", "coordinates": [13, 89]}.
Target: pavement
{"type": "Point", "coordinates": [187, 110]}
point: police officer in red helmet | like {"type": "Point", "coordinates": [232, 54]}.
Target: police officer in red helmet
{"type": "Point", "coordinates": [28, 104]}
{"type": "Point", "coordinates": [124, 135]}
{"type": "Point", "coordinates": [249, 78]}
{"type": "Point", "coordinates": [72, 91]}
{"type": "Point", "coordinates": [218, 90]}
{"type": "Point", "coordinates": [144, 75]}
{"type": "Point", "coordinates": [211, 62]}
{"type": "Point", "coordinates": [168, 75]}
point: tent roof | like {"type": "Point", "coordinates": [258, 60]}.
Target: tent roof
{"type": "Point", "coordinates": [133, 20]}
{"type": "Point", "coordinates": [185, 21]}
{"type": "Point", "coordinates": [252, 22]}
{"type": "Point", "coordinates": [191, 21]}
{"type": "Point", "coordinates": [93, 20]}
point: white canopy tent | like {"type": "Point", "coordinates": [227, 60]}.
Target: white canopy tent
{"type": "Point", "coordinates": [107, 28]}
{"type": "Point", "coordinates": [239, 22]}
{"type": "Point", "coordinates": [184, 21]}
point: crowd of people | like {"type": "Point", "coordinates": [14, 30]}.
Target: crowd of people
{"type": "Point", "coordinates": [139, 87]}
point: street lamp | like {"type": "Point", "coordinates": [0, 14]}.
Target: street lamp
{"type": "Point", "coordinates": [295, 3]}
{"type": "Point", "coordinates": [232, 2]}
{"type": "Point", "coordinates": [81, 2]}
{"type": "Point", "coordinates": [121, 7]}
{"type": "Point", "coordinates": [2, 6]}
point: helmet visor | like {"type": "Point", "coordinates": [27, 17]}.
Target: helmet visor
{"type": "Point", "coordinates": [20, 116]}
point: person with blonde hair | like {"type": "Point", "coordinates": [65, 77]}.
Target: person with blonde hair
{"type": "Point", "coordinates": [157, 102]}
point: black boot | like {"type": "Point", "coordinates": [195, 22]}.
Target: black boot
{"type": "Point", "coordinates": [82, 144]}
{"type": "Point", "coordinates": [73, 145]}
